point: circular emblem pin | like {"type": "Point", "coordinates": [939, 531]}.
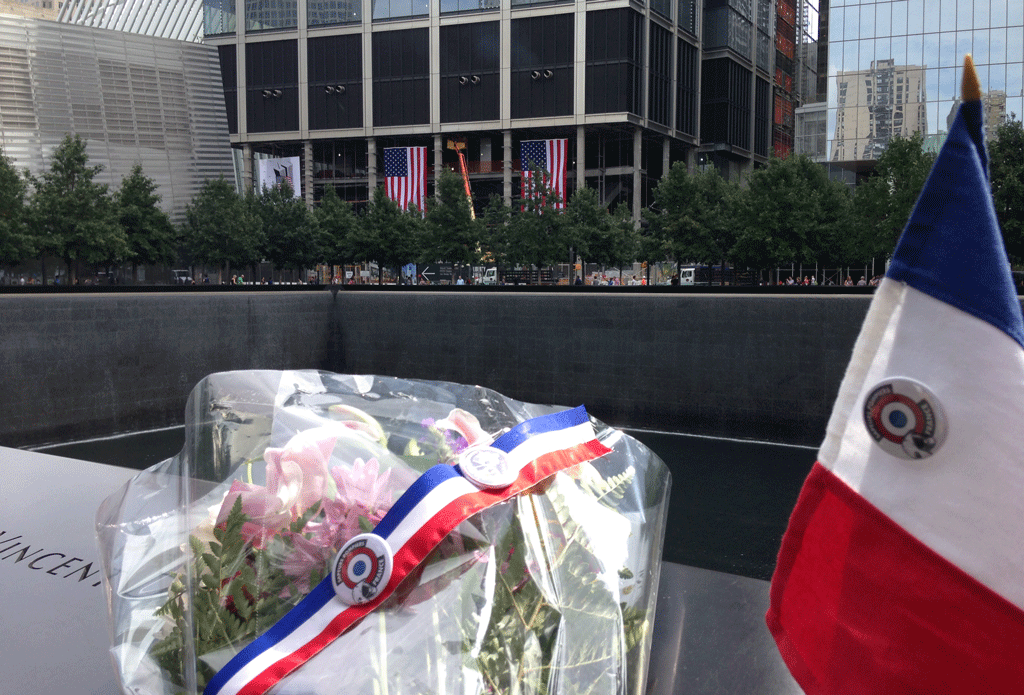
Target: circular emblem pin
{"type": "Point", "coordinates": [905, 418]}
{"type": "Point", "coordinates": [362, 568]}
{"type": "Point", "coordinates": [487, 468]}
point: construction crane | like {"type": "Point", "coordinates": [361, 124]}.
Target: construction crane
{"type": "Point", "coordinates": [459, 145]}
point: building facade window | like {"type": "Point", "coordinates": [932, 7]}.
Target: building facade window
{"type": "Point", "coordinates": [268, 15]}
{"type": "Point", "coordinates": [398, 9]}
{"type": "Point", "coordinates": [272, 86]}
{"type": "Point", "coordinates": [542, 66]}
{"type": "Point", "coordinates": [895, 69]}
{"type": "Point", "coordinates": [470, 72]}
{"type": "Point", "coordinates": [335, 73]}
{"type": "Point", "coordinates": [401, 77]}
{"type": "Point", "coordinates": [614, 61]}
{"type": "Point", "coordinates": [328, 12]}
{"type": "Point", "coordinates": [218, 17]}
{"type": "Point", "coordinates": [687, 80]}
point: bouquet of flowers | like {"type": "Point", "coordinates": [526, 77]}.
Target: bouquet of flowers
{"type": "Point", "coordinates": [297, 544]}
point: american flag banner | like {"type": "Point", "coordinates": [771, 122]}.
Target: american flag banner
{"type": "Point", "coordinates": [549, 158]}
{"type": "Point", "coordinates": [405, 175]}
{"type": "Point", "coordinates": [902, 570]}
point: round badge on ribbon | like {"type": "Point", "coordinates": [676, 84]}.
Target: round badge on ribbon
{"type": "Point", "coordinates": [905, 418]}
{"type": "Point", "coordinates": [362, 568]}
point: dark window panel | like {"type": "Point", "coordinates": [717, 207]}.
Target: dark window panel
{"type": "Point", "coordinates": [229, 79]}
{"type": "Point", "coordinates": [614, 61]}
{"type": "Point", "coordinates": [470, 77]}
{"type": "Point", "coordinates": [686, 85]}
{"type": "Point", "coordinates": [401, 80]}
{"type": "Point", "coordinates": [659, 106]}
{"type": "Point", "coordinates": [272, 86]}
{"type": "Point", "coordinates": [542, 69]}
{"type": "Point", "coordinates": [335, 61]}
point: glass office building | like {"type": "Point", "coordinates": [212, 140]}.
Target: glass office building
{"type": "Point", "coordinates": [632, 86]}
{"type": "Point", "coordinates": [894, 68]}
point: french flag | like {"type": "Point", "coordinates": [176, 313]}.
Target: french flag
{"type": "Point", "coordinates": [902, 570]}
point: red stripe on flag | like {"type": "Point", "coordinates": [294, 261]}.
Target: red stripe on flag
{"type": "Point", "coordinates": [860, 606]}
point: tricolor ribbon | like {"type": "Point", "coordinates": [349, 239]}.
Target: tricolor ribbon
{"type": "Point", "coordinates": [429, 510]}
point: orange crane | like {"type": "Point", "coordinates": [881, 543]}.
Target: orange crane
{"type": "Point", "coordinates": [459, 145]}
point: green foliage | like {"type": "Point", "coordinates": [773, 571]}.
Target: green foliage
{"type": "Point", "coordinates": [72, 216]}
{"type": "Point", "coordinates": [387, 235]}
{"type": "Point", "coordinates": [576, 613]}
{"type": "Point", "coordinates": [338, 225]}
{"type": "Point", "coordinates": [451, 232]}
{"type": "Point", "coordinates": [222, 228]}
{"type": "Point", "coordinates": [235, 596]}
{"type": "Point", "coordinates": [791, 212]}
{"type": "Point", "coordinates": [884, 201]}
{"type": "Point", "coordinates": [694, 215]}
{"type": "Point", "coordinates": [292, 236]}
{"type": "Point", "coordinates": [1006, 164]}
{"type": "Point", "coordinates": [148, 230]}
{"type": "Point", "coordinates": [538, 234]}
{"type": "Point", "coordinates": [497, 243]}
{"type": "Point", "coordinates": [15, 243]}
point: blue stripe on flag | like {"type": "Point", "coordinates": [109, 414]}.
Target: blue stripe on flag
{"type": "Point", "coordinates": [952, 248]}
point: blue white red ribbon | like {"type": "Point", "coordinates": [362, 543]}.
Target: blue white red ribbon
{"type": "Point", "coordinates": [429, 510]}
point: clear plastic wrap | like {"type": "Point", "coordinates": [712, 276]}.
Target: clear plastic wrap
{"type": "Point", "coordinates": [552, 591]}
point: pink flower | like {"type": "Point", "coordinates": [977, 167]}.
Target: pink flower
{"type": "Point", "coordinates": [267, 515]}
{"type": "Point", "coordinates": [297, 473]}
{"type": "Point", "coordinates": [305, 557]}
{"type": "Point", "coordinates": [362, 492]}
{"type": "Point", "coordinates": [465, 424]}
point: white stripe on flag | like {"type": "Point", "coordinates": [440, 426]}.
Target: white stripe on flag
{"type": "Point", "coordinates": [969, 513]}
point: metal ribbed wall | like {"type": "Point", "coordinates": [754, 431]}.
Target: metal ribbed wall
{"type": "Point", "coordinates": [132, 99]}
{"type": "Point", "coordinates": [181, 20]}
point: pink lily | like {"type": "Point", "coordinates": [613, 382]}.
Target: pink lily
{"type": "Point", "coordinates": [467, 425]}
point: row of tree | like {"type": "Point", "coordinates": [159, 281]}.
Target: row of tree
{"type": "Point", "coordinates": [787, 212]}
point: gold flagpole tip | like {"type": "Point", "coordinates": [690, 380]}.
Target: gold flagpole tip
{"type": "Point", "coordinates": [971, 88]}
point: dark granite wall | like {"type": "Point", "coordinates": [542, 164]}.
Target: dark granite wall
{"type": "Point", "coordinates": [764, 367]}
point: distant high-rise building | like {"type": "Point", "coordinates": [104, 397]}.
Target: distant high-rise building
{"type": "Point", "coordinates": [875, 105]}
{"type": "Point", "coordinates": [873, 43]}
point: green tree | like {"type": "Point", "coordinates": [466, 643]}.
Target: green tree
{"type": "Point", "coordinates": [791, 212]}
{"type": "Point", "coordinates": [538, 230]}
{"type": "Point", "coordinates": [338, 224]}
{"type": "Point", "coordinates": [451, 232]}
{"type": "Point", "coordinates": [885, 200]}
{"type": "Point", "coordinates": [148, 230]}
{"type": "Point", "coordinates": [222, 228]}
{"type": "Point", "coordinates": [290, 231]}
{"type": "Point", "coordinates": [588, 224]}
{"type": "Point", "coordinates": [693, 215]}
{"type": "Point", "coordinates": [387, 235]}
{"type": "Point", "coordinates": [15, 243]}
{"type": "Point", "coordinates": [1006, 164]}
{"type": "Point", "coordinates": [497, 243]}
{"type": "Point", "coordinates": [73, 217]}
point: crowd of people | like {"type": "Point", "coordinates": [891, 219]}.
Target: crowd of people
{"type": "Point", "coordinates": [812, 281]}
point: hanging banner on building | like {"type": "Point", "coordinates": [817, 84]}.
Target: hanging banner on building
{"type": "Point", "coordinates": [273, 172]}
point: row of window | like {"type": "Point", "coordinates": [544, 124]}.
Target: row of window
{"type": "Point", "coordinates": [219, 15]}
{"type": "Point", "coordinates": [541, 76]}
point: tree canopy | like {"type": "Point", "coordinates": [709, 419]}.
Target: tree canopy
{"type": "Point", "coordinates": [885, 200]}
{"type": "Point", "coordinates": [451, 232]}
{"type": "Point", "coordinates": [291, 235]}
{"type": "Point", "coordinates": [15, 243]}
{"type": "Point", "coordinates": [73, 216]}
{"type": "Point", "coordinates": [148, 230]}
{"type": "Point", "coordinates": [1006, 164]}
{"type": "Point", "coordinates": [222, 228]}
